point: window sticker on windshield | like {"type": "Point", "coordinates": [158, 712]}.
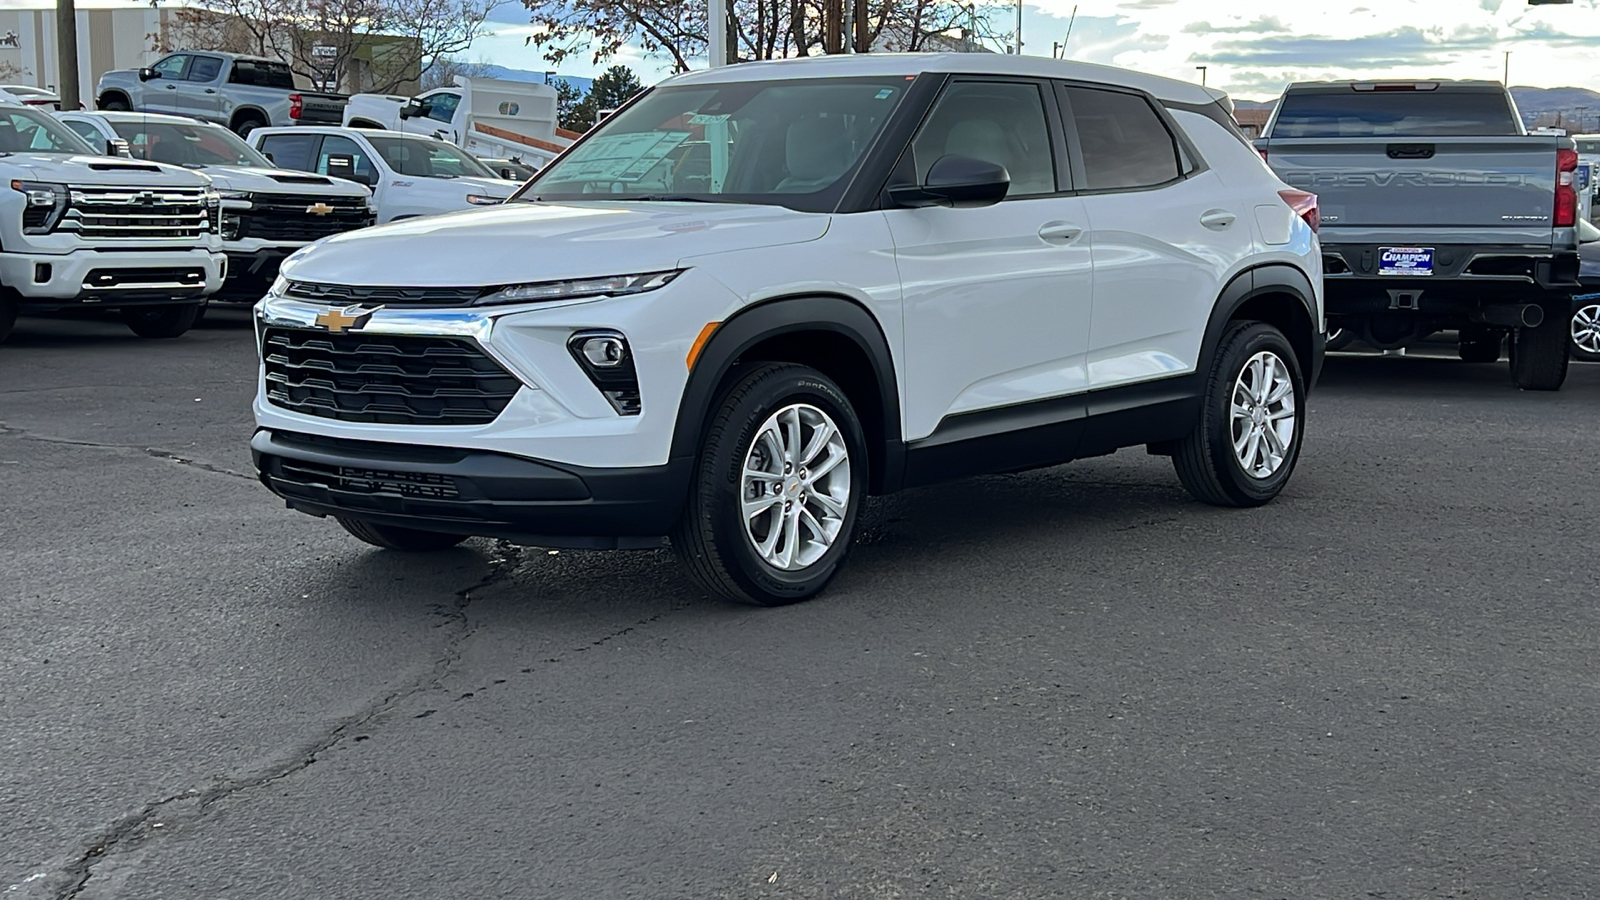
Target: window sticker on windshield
{"type": "Point", "coordinates": [623, 157]}
{"type": "Point", "coordinates": [885, 94]}
{"type": "Point", "coordinates": [702, 119]}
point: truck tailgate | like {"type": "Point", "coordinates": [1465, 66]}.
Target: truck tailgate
{"type": "Point", "coordinates": [321, 109]}
{"type": "Point", "coordinates": [1503, 186]}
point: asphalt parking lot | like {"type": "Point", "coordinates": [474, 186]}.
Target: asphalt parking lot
{"type": "Point", "coordinates": [1068, 683]}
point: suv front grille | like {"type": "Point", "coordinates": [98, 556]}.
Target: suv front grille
{"type": "Point", "coordinates": [297, 217]}
{"type": "Point", "coordinates": [136, 213]}
{"type": "Point", "coordinates": [392, 379]}
{"type": "Point", "coordinates": [388, 296]}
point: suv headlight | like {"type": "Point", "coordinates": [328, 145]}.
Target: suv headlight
{"type": "Point", "coordinates": [280, 287]}
{"type": "Point", "coordinates": [45, 204]}
{"type": "Point", "coordinates": [484, 200]}
{"type": "Point", "coordinates": [613, 286]}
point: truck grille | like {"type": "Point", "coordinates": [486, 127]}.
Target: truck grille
{"type": "Point", "coordinates": [392, 379]}
{"type": "Point", "coordinates": [302, 218]}
{"type": "Point", "coordinates": [136, 213]}
{"type": "Point", "coordinates": [388, 296]}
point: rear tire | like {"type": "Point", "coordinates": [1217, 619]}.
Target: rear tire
{"type": "Point", "coordinates": [1480, 345]}
{"type": "Point", "coordinates": [1539, 355]}
{"type": "Point", "coordinates": [1252, 418]}
{"type": "Point", "coordinates": [113, 104]}
{"type": "Point", "coordinates": [247, 124]}
{"type": "Point", "coordinates": [777, 487]}
{"type": "Point", "coordinates": [393, 537]}
{"type": "Point", "coordinates": [164, 321]}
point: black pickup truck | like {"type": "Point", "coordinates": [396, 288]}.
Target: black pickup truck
{"type": "Point", "coordinates": [1439, 213]}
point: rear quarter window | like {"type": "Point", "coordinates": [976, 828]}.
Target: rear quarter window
{"type": "Point", "coordinates": [1394, 113]}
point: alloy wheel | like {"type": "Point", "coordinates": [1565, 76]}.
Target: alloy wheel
{"type": "Point", "coordinates": [1262, 415]}
{"type": "Point", "coordinates": [795, 487]}
{"type": "Point", "coordinates": [1586, 329]}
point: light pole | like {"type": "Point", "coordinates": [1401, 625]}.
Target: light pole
{"type": "Point", "coordinates": [717, 21]}
{"type": "Point", "coordinates": [67, 54]}
{"type": "Point", "coordinates": [1581, 111]}
{"type": "Point", "coordinates": [1202, 74]}
{"type": "Point", "coordinates": [1506, 75]}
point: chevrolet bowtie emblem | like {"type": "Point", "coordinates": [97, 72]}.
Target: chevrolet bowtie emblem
{"type": "Point", "coordinates": [319, 209]}
{"type": "Point", "coordinates": [337, 320]}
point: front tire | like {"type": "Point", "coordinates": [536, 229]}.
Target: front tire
{"type": "Point", "coordinates": [1586, 333]}
{"type": "Point", "coordinates": [776, 490]}
{"type": "Point", "coordinates": [393, 537]}
{"type": "Point", "coordinates": [113, 104]}
{"type": "Point", "coordinates": [1252, 418]}
{"type": "Point", "coordinates": [1539, 355]}
{"type": "Point", "coordinates": [164, 321]}
{"type": "Point", "coordinates": [8, 315]}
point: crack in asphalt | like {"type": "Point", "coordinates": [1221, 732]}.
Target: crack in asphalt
{"type": "Point", "coordinates": [152, 452]}
{"type": "Point", "coordinates": [69, 875]}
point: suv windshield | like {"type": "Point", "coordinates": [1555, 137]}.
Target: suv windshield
{"type": "Point", "coordinates": [24, 131]}
{"type": "Point", "coordinates": [427, 159]}
{"type": "Point", "coordinates": [188, 145]}
{"type": "Point", "coordinates": [787, 143]}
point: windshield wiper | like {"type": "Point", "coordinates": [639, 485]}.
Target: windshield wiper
{"type": "Point", "coordinates": [663, 198]}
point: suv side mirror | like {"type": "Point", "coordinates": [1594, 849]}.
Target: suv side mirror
{"type": "Point", "coordinates": [959, 182]}
{"type": "Point", "coordinates": [411, 109]}
{"type": "Point", "coordinates": [147, 73]}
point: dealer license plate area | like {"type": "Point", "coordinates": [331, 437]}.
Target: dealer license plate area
{"type": "Point", "coordinates": [1405, 261]}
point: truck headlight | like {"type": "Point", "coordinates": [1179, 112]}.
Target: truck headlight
{"type": "Point", "coordinates": [484, 200]}
{"type": "Point", "coordinates": [613, 286]}
{"type": "Point", "coordinates": [236, 199]}
{"type": "Point", "coordinates": [46, 203]}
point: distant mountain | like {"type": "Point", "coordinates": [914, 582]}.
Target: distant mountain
{"type": "Point", "coordinates": [507, 74]}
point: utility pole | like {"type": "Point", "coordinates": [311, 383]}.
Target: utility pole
{"type": "Point", "coordinates": [717, 39]}
{"type": "Point", "coordinates": [1506, 77]}
{"type": "Point", "coordinates": [1019, 27]}
{"type": "Point", "coordinates": [67, 54]}
{"type": "Point", "coordinates": [1581, 111]}
{"type": "Point", "coordinates": [1202, 74]}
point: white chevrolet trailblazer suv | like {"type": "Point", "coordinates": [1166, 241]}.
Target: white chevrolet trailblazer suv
{"type": "Point", "coordinates": [758, 294]}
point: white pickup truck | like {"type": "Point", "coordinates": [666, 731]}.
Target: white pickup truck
{"type": "Point", "coordinates": [490, 118]}
{"type": "Point", "coordinates": [84, 231]}
{"type": "Point", "coordinates": [410, 175]}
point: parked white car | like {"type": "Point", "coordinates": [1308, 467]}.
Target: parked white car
{"type": "Point", "coordinates": [83, 231]}
{"type": "Point", "coordinates": [759, 293]}
{"type": "Point", "coordinates": [487, 117]}
{"type": "Point", "coordinates": [409, 175]}
{"type": "Point", "coordinates": [268, 212]}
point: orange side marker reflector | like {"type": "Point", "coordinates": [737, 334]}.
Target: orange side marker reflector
{"type": "Point", "coordinates": [700, 343]}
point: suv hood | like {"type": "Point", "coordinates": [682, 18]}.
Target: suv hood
{"type": "Point", "coordinates": [280, 181]}
{"type": "Point", "coordinates": [97, 171]}
{"type": "Point", "coordinates": [526, 242]}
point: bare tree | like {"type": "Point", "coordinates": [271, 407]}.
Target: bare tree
{"type": "Point", "coordinates": [759, 29]}
{"type": "Point", "coordinates": [376, 44]}
{"type": "Point", "coordinates": [446, 69]}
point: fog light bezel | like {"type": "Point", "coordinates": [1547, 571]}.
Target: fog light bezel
{"type": "Point", "coordinates": [617, 381]}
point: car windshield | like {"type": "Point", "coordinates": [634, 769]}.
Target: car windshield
{"type": "Point", "coordinates": [787, 143]}
{"type": "Point", "coordinates": [188, 145]}
{"type": "Point", "coordinates": [427, 159]}
{"type": "Point", "coordinates": [23, 130]}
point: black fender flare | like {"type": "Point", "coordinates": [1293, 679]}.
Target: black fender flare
{"type": "Point", "coordinates": [1272, 278]}
{"type": "Point", "coordinates": [114, 92]}
{"type": "Point", "coordinates": [785, 315]}
{"type": "Point", "coordinates": [251, 112]}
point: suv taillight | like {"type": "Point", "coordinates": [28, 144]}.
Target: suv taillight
{"type": "Point", "coordinates": [1566, 188]}
{"type": "Point", "coordinates": [297, 105]}
{"type": "Point", "coordinates": [1305, 205]}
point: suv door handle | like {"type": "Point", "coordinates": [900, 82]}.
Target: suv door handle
{"type": "Point", "coordinates": [1059, 232]}
{"type": "Point", "coordinates": [211, 90]}
{"type": "Point", "coordinates": [1217, 219]}
{"type": "Point", "coordinates": [172, 87]}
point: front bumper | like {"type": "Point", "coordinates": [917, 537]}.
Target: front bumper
{"type": "Point", "coordinates": [252, 271]}
{"type": "Point", "coordinates": [473, 492]}
{"type": "Point", "coordinates": [92, 278]}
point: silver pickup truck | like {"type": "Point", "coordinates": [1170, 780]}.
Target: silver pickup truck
{"type": "Point", "coordinates": [1438, 213]}
{"type": "Point", "coordinates": [241, 92]}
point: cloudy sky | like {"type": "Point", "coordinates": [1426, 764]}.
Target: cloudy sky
{"type": "Point", "coordinates": [1253, 48]}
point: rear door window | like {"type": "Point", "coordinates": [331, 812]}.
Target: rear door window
{"type": "Point", "coordinates": [204, 68]}
{"type": "Point", "coordinates": [292, 151]}
{"type": "Point", "coordinates": [1122, 139]}
{"type": "Point", "coordinates": [1394, 113]}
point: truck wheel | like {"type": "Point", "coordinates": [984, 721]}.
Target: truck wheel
{"type": "Point", "coordinates": [247, 124]}
{"type": "Point", "coordinates": [393, 537]}
{"type": "Point", "coordinates": [164, 321]}
{"type": "Point", "coordinates": [113, 103]}
{"type": "Point", "coordinates": [1539, 355]}
{"type": "Point", "coordinates": [8, 315]}
{"type": "Point", "coordinates": [1480, 345]}
{"type": "Point", "coordinates": [1586, 333]}
{"type": "Point", "coordinates": [776, 488]}
{"type": "Point", "coordinates": [1252, 416]}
